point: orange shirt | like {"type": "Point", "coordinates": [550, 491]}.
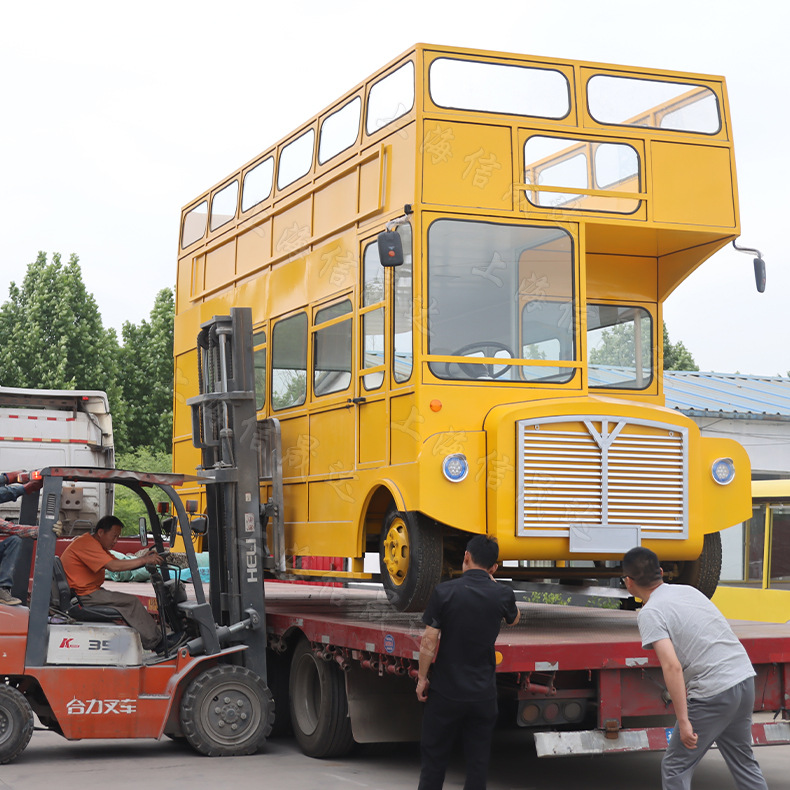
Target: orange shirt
{"type": "Point", "coordinates": [84, 561]}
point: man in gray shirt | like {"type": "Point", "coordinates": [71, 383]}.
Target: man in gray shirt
{"type": "Point", "coordinates": [706, 670]}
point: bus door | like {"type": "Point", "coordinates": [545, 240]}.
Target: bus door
{"type": "Point", "coordinates": [370, 399]}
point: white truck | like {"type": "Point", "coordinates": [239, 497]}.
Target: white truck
{"type": "Point", "coordinates": [41, 428]}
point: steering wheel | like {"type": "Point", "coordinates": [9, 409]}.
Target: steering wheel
{"type": "Point", "coordinates": [489, 348]}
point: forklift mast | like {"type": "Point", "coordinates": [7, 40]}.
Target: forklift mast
{"type": "Point", "coordinates": [225, 429]}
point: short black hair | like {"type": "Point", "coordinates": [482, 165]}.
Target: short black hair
{"type": "Point", "coordinates": [106, 523]}
{"type": "Point", "coordinates": [484, 550]}
{"type": "Point", "coordinates": [642, 566]}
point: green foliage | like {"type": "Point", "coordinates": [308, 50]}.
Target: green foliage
{"type": "Point", "coordinates": [146, 380]}
{"type": "Point", "coordinates": [555, 599]}
{"type": "Point", "coordinates": [618, 347]}
{"type": "Point", "coordinates": [53, 336]}
{"type": "Point", "coordinates": [128, 506]}
{"type": "Point", "coordinates": [677, 356]}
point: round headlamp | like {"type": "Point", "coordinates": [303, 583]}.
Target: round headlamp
{"type": "Point", "coordinates": [723, 471]}
{"type": "Point", "coordinates": [455, 467]}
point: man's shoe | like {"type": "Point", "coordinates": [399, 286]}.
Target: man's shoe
{"type": "Point", "coordinates": [170, 642]}
{"type": "Point", "coordinates": [7, 598]}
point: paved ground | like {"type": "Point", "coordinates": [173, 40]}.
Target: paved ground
{"type": "Point", "coordinates": [51, 763]}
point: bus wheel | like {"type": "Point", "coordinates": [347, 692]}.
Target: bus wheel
{"type": "Point", "coordinates": [704, 572]}
{"type": "Point", "coordinates": [16, 723]}
{"type": "Point", "coordinates": [410, 555]}
{"type": "Point", "coordinates": [226, 711]}
{"type": "Point", "coordinates": [319, 706]}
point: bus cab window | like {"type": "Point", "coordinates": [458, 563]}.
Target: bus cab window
{"type": "Point", "coordinates": [499, 292]}
{"type": "Point", "coordinates": [402, 310]}
{"type": "Point", "coordinates": [619, 346]}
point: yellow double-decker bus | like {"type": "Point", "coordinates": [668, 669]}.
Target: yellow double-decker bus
{"type": "Point", "coordinates": [456, 274]}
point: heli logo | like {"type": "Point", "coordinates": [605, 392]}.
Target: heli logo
{"type": "Point", "coordinates": [68, 642]}
{"type": "Point", "coordinates": [252, 561]}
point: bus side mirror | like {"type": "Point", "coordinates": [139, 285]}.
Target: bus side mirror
{"type": "Point", "coordinates": [390, 248]}
{"type": "Point", "coordinates": [759, 274]}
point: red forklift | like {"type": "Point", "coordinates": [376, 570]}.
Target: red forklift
{"type": "Point", "coordinates": [82, 671]}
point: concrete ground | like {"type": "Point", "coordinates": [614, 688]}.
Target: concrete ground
{"type": "Point", "coordinates": [52, 763]}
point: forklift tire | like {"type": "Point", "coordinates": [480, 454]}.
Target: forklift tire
{"type": "Point", "coordinates": [227, 711]}
{"type": "Point", "coordinates": [319, 706]}
{"type": "Point", "coordinates": [16, 723]}
{"type": "Point", "coordinates": [704, 572]}
{"type": "Point", "coordinates": [410, 557]}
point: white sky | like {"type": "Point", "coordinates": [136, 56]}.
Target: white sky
{"type": "Point", "coordinates": [115, 115]}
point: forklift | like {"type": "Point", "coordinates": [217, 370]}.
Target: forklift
{"type": "Point", "coordinates": [82, 671]}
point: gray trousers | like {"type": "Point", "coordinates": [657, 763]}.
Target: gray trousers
{"type": "Point", "coordinates": [725, 719]}
{"type": "Point", "coordinates": [132, 611]}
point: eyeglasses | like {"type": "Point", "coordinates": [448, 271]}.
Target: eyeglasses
{"type": "Point", "coordinates": [623, 578]}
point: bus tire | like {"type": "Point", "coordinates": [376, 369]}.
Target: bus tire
{"type": "Point", "coordinates": [319, 706]}
{"type": "Point", "coordinates": [704, 572]}
{"type": "Point", "coordinates": [16, 723]}
{"type": "Point", "coordinates": [227, 711]}
{"type": "Point", "coordinates": [410, 557]}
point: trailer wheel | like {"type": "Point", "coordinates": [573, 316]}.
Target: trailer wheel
{"type": "Point", "coordinates": [16, 723]}
{"type": "Point", "coordinates": [704, 572]}
{"type": "Point", "coordinates": [227, 711]}
{"type": "Point", "coordinates": [319, 706]}
{"type": "Point", "coordinates": [410, 557]}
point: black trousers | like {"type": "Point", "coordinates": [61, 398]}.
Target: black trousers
{"type": "Point", "coordinates": [443, 721]}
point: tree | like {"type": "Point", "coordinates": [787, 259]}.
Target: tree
{"type": "Point", "coordinates": [146, 377]}
{"type": "Point", "coordinates": [677, 356]}
{"type": "Point", "coordinates": [128, 506]}
{"type": "Point", "coordinates": [53, 336]}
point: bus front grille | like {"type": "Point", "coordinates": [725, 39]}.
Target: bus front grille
{"type": "Point", "coordinates": [610, 474]}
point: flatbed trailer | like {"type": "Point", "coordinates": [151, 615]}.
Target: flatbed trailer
{"type": "Point", "coordinates": [575, 677]}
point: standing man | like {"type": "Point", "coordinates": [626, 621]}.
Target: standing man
{"type": "Point", "coordinates": [84, 562]}
{"type": "Point", "coordinates": [707, 673]}
{"type": "Point", "coordinates": [461, 696]}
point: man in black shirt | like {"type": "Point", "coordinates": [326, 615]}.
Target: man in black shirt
{"type": "Point", "coordinates": [468, 612]}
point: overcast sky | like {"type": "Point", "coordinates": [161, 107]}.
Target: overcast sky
{"type": "Point", "coordinates": [115, 115]}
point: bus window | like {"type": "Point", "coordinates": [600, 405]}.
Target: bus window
{"type": "Point", "coordinates": [780, 546]}
{"type": "Point", "coordinates": [402, 310]}
{"type": "Point", "coordinates": [296, 159]}
{"type": "Point", "coordinates": [503, 292]}
{"type": "Point", "coordinates": [581, 164]}
{"type": "Point", "coordinates": [332, 350]}
{"type": "Point", "coordinates": [390, 98]}
{"type": "Point", "coordinates": [339, 130]}
{"type": "Point", "coordinates": [495, 87]}
{"type": "Point", "coordinates": [372, 317]}
{"type": "Point", "coordinates": [194, 227]}
{"type": "Point", "coordinates": [619, 347]}
{"type": "Point", "coordinates": [223, 206]}
{"type": "Point", "coordinates": [259, 363]}
{"type": "Point", "coordinates": [257, 184]}
{"type": "Point", "coordinates": [289, 362]}
{"type": "Point", "coordinates": [654, 104]}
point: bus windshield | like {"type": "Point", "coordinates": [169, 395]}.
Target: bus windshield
{"type": "Point", "coordinates": [502, 292]}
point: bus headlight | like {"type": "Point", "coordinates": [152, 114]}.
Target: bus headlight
{"type": "Point", "coordinates": [455, 467]}
{"type": "Point", "coordinates": [723, 471]}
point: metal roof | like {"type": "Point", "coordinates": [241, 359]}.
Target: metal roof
{"type": "Point", "coordinates": [730, 395]}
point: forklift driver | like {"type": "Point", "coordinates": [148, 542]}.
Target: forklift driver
{"type": "Point", "coordinates": [84, 562]}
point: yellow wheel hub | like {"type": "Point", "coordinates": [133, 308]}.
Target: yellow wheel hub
{"type": "Point", "coordinates": [396, 551]}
